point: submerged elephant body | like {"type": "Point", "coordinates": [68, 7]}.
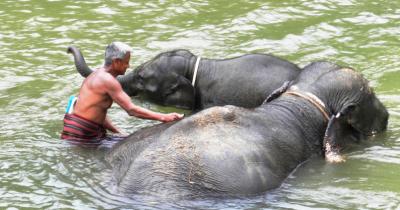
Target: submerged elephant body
{"type": "Point", "coordinates": [219, 151]}
{"type": "Point", "coordinates": [237, 151]}
{"type": "Point", "coordinates": [167, 79]}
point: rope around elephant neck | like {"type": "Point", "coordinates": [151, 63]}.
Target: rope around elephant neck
{"type": "Point", "coordinates": [313, 99]}
{"type": "Point", "coordinates": [196, 67]}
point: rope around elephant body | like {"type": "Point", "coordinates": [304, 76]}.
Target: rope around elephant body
{"type": "Point", "coordinates": [313, 99]}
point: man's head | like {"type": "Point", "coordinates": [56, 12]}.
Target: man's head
{"type": "Point", "coordinates": [117, 54]}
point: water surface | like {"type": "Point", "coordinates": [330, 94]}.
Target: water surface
{"type": "Point", "coordinates": [38, 171]}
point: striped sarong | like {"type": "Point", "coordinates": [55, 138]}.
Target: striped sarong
{"type": "Point", "coordinates": [79, 129]}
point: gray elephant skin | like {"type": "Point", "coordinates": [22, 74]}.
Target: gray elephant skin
{"type": "Point", "coordinates": [167, 79]}
{"type": "Point", "coordinates": [234, 151]}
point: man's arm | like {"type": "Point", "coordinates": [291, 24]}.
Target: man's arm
{"type": "Point", "coordinates": [114, 89]}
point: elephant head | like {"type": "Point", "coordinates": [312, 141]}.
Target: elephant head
{"type": "Point", "coordinates": [161, 80]}
{"type": "Point", "coordinates": [355, 111]}
{"type": "Point", "coordinates": [164, 79]}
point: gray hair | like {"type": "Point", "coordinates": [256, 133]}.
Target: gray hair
{"type": "Point", "coordinates": [116, 50]}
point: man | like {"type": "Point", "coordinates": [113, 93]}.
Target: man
{"type": "Point", "coordinates": [88, 120]}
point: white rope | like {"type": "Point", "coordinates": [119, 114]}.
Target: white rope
{"type": "Point", "coordinates": [196, 67]}
{"type": "Point", "coordinates": [294, 90]}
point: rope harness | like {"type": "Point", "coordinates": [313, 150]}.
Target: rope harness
{"type": "Point", "coordinates": [313, 99]}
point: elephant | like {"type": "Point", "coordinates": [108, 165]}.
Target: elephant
{"type": "Point", "coordinates": [235, 151]}
{"type": "Point", "coordinates": [167, 79]}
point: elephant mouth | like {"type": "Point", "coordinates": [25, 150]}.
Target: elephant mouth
{"type": "Point", "coordinates": [363, 133]}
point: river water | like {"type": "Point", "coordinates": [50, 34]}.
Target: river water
{"type": "Point", "coordinates": [38, 171]}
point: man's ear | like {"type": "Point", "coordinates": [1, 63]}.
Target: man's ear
{"type": "Point", "coordinates": [278, 92]}
{"type": "Point", "coordinates": [336, 133]}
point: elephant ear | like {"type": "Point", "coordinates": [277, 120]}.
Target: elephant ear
{"type": "Point", "coordinates": [276, 93]}
{"type": "Point", "coordinates": [181, 94]}
{"type": "Point", "coordinates": [336, 133]}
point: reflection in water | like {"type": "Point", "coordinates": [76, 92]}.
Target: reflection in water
{"type": "Point", "coordinates": [37, 170]}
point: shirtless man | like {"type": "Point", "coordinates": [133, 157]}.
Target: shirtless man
{"type": "Point", "coordinates": [88, 121]}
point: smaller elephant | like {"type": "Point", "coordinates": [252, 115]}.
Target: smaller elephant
{"type": "Point", "coordinates": [179, 78]}
{"type": "Point", "coordinates": [228, 150]}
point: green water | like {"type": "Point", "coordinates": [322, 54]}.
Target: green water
{"type": "Point", "coordinates": [38, 171]}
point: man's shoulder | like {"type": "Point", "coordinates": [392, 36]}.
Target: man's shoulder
{"type": "Point", "coordinates": [103, 76]}
{"type": "Point", "coordinates": [102, 79]}
{"type": "Point", "coordinates": [107, 77]}
{"type": "Point", "coordinates": [108, 81]}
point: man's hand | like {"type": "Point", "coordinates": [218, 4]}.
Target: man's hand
{"type": "Point", "coordinates": [121, 134]}
{"type": "Point", "coordinates": [172, 117]}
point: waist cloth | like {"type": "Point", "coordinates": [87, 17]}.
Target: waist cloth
{"type": "Point", "coordinates": [79, 129]}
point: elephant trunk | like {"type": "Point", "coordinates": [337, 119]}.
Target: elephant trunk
{"type": "Point", "coordinates": [80, 62]}
{"type": "Point", "coordinates": [128, 84]}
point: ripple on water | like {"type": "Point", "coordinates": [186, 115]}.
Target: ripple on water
{"type": "Point", "coordinates": [381, 154]}
{"type": "Point", "coordinates": [41, 174]}
{"type": "Point", "coordinates": [338, 197]}
{"type": "Point", "coordinates": [105, 10]}
{"type": "Point", "coordinates": [367, 18]}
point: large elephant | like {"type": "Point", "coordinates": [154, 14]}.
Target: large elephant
{"type": "Point", "coordinates": [228, 150]}
{"type": "Point", "coordinates": [167, 79]}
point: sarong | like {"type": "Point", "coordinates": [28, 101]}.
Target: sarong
{"type": "Point", "coordinates": [80, 130]}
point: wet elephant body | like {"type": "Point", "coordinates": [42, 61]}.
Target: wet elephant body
{"type": "Point", "coordinates": [243, 81]}
{"type": "Point", "coordinates": [219, 151]}
{"type": "Point", "coordinates": [167, 79]}
{"type": "Point", "coordinates": [230, 150]}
